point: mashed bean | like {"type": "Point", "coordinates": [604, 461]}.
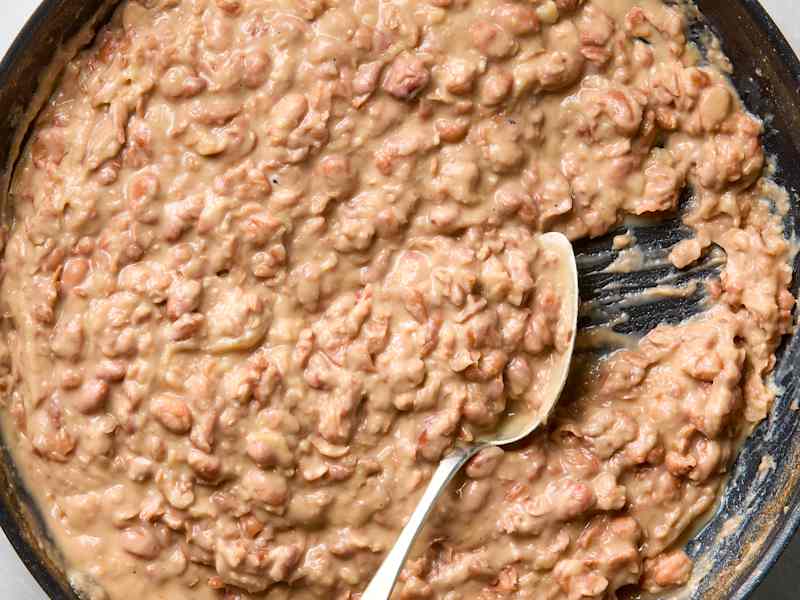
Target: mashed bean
{"type": "Point", "coordinates": [271, 260]}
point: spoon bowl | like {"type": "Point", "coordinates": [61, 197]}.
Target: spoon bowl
{"type": "Point", "coordinates": [515, 427]}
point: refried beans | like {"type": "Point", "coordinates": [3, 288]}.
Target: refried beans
{"type": "Point", "coordinates": [272, 259]}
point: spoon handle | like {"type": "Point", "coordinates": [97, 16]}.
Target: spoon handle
{"type": "Point", "coordinates": [382, 584]}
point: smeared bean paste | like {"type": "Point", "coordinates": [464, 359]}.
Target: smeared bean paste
{"type": "Point", "coordinates": [272, 258]}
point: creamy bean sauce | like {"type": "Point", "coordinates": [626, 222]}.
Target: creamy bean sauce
{"type": "Point", "coordinates": [271, 259]}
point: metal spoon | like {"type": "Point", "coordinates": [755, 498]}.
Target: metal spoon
{"type": "Point", "coordinates": [382, 584]}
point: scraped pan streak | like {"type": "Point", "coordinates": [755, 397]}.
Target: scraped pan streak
{"type": "Point", "coordinates": [764, 498]}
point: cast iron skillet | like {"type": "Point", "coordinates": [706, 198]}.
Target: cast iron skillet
{"type": "Point", "coordinates": [763, 495]}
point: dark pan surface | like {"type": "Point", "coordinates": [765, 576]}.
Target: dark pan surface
{"type": "Point", "coordinates": [763, 497]}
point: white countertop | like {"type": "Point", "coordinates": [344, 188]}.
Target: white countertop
{"type": "Point", "coordinates": [15, 581]}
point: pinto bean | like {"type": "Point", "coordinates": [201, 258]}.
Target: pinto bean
{"type": "Point", "coordinates": [406, 77]}
{"type": "Point", "coordinates": [172, 412]}
{"type": "Point", "coordinates": [141, 542]}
